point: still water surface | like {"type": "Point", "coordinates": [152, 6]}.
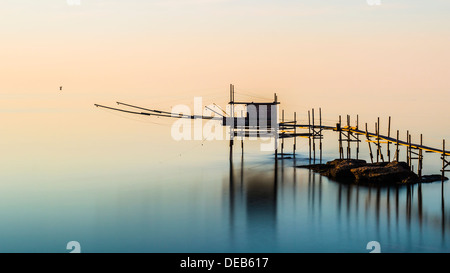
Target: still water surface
{"type": "Point", "coordinates": [212, 205]}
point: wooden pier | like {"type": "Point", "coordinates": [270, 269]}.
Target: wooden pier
{"type": "Point", "coordinates": [261, 119]}
{"type": "Point", "coordinates": [350, 134]}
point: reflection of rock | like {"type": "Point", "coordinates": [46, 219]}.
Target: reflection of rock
{"type": "Point", "coordinates": [432, 178]}
{"type": "Point", "coordinates": [360, 171]}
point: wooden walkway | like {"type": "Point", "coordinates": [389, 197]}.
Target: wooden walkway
{"type": "Point", "coordinates": [353, 133]}
{"type": "Point", "coordinates": [241, 126]}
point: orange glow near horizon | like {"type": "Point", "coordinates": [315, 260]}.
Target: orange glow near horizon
{"type": "Point", "coordinates": [392, 59]}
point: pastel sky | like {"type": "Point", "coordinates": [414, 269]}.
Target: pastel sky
{"type": "Point", "coordinates": [173, 44]}
{"type": "Point", "coordinates": [66, 164]}
{"type": "Point", "coordinates": [347, 57]}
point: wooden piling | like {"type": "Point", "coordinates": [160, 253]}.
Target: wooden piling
{"type": "Point", "coordinates": [320, 139]}
{"type": "Point", "coordinates": [357, 137]}
{"type": "Point", "coordinates": [348, 138]}
{"type": "Point", "coordinates": [232, 118]}
{"type": "Point", "coordinates": [275, 100]}
{"type": "Point", "coordinates": [370, 147]}
{"type": "Point", "coordinates": [309, 136]}
{"type": "Point", "coordinates": [410, 150]}
{"type": "Point", "coordinates": [407, 149]}
{"type": "Point", "coordinates": [378, 141]}
{"type": "Point", "coordinates": [389, 135]}
{"type": "Point", "coordinates": [242, 138]}
{"type": "Point", "coordinates": [377, 126]}
{"type": "Point", "coordinates": [314, 137]}
{"type": "Point", "coordinates": [340, 139]}
{"type": "Point", "coordinates": [419, 167]}
{"type": "Point", "coordinates": [396, 149]}
{"type": "Point", "coordinates": [231, 150]}
{"type": "Point", "coordinates": [443, 162]}
{"type": "Point", "coordinates": [282, 133]}
{"type": "Point", "coordinates": [295, 132]}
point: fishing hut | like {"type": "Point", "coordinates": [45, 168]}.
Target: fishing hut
{"type": "Point", "coordinates": [251, 120]}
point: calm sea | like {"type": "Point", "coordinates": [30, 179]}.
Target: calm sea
{"type": "Point", "coordinates": [192, 198]}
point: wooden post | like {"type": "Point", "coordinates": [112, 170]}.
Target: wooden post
{"type": "Point", "coordinates": [231, 150]}
{"type": "Point", "coordinates": [309, 136]}
{"type": "Point", "coordinates": [396, 149]}
{"type": "Point", "coordinates": [233, 91]}
{"type": "Point", "coordinates": [407, 148]}
{"type": "Point", "coordinates": [419, 167]}
{"type": "Point", "coordinates": [389, 135]}
{"type": "Point", "coordinates": [370, 147]}
{"type": "Point", "coordinates": [340, 138]}
{"type": "Point", "coordinates": [314, 137]}
{"type": "Point", "coordinates": [275, 99]}
{"type": "Point", "coordinates": [348, 137]}
{"type": "Point", "coordinates": [320, 143]}
{"type": "Point", "coordinates": [242, 138]}
{"type": "Point", "coordinates": [377, 126]}
{"type": "Point", "coordinates": [232, 120]}
{"type": "Point", "coordinates": [378, 141]}
{"type": "Point", "coordinates": [443, 161]}
{"type": "Point", "coordinates": [282, 133]}
{"type": "Point", "coordinates": [410, 151]}
{"type": "Point", "coordinates": [295, 132]}
{"type": "Point", "coordinates": [357, 137]}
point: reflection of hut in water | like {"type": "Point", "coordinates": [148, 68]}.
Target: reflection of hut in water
{"type": "Point", "coordinates": [260, 191]}
{"type": "Point", "coordinates": [253, 205]}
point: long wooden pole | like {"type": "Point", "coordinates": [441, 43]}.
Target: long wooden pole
{"type": "Point", "coordinates": [275, 99]}
{"type": "Point", "coordinates": [295, 132]}
{"type": "Point", "coordinates": [282, 133]}
{"type": "Point", "coordinates": [340, 138]}
{"type": "Point", "coordinates": [389, 135]}
{"type": "Point", "coordinates": [370, 147]}
{"type": "Point", "coordinates": [348, 138]}
{"type": "Point", "coordinates": [443, 161]}
{"type": "Point", "coordinates": [357, 137]}
{"type": "Point", "coordinates": [320, 139]}
{"type": "Point", "coordinates": [377, 126]}
{"type": "Point", "coordinates": [378, 137]}
{"type": "Point", "coordinates": [242, 138]}
{"type": "Point", "coordinates": [314, 137]}
{"type": "Point", "coordinates": [232, 120]}
{"type": "Point", "coordinates": [419, 167]}
{"type": "Point", "coordinates": [309, 135]}
{"type": "Point", "coordinates": [410, 150]}
{"type": "Point", "coordinates": [397, 150]}
{"type": "Point", "coordinates": [407, 149]}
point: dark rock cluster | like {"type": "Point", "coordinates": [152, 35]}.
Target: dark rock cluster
{"type": "Point", "coordinates": [359, 171]}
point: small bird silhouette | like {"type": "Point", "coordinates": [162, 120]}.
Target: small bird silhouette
{"type": "Point", "coordinates": [60, 88]}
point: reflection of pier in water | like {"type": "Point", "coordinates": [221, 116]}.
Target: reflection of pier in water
{"type": "Point", "coordinates": [399, 202]}
{"type": "Point", "coordinates": [261, 199]}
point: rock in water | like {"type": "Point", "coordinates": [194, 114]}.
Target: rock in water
{"type": "Point", "coordinates": [359, 171]}
{"type": "Point", "coordinates": [342, 168]}
{"type": "Point", "coordinates": [391, 173]}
